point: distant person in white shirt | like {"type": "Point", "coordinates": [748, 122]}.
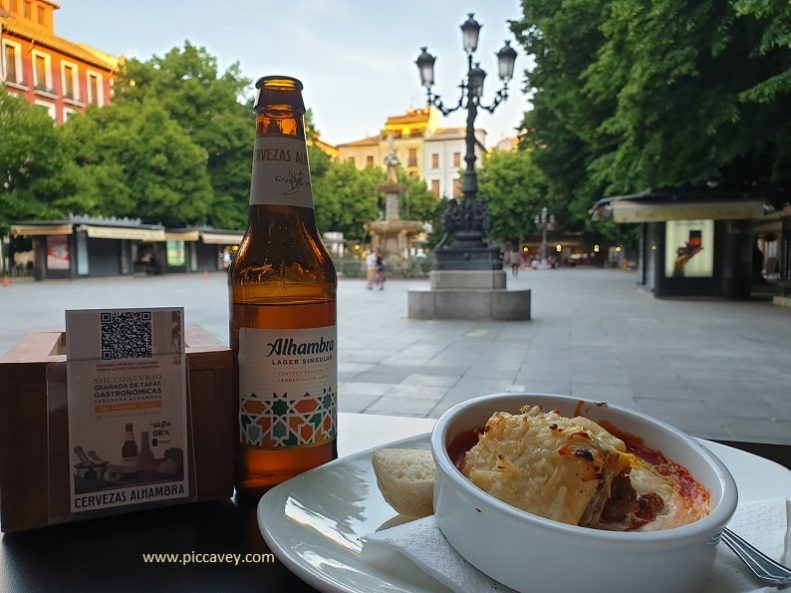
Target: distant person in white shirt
{"type": "Point", "coordinates": [370, 269]}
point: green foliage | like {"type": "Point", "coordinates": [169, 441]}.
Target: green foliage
{"type": "Point", "coordinates": [354, 267]}
{"type": "Point", "coordinates": [320, 162]}
{"type": "Point", "coordinates": [657, 93]}
{"type": "Point", "coordinates": [207, 105]}
{"type": "Point", "coordinates": [34, 175]}
{"type": "Point", "coordinates": [417, 202]}
{"type": "Point", "coordinates": [345, 198]}
{"type": "Point", "coordinates": [516, 191]}
{"type": "Point", "coordinates": [167, 170]}
{"type": "Point", "coordinates": [135, 160]}
{"type": "Point", "coordinates": [96, 145]}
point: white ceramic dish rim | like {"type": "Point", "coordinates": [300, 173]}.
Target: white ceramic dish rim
{"type": "Point", "coordinates": [715, 520]}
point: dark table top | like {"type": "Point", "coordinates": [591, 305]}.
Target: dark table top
{"type": "Point", "coordinates": [107, 554]}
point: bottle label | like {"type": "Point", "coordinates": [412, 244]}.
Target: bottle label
{"type": "Point", "coordinates": [129, 464]}
{"type": "Point", "coordinates": [280, 173]}
{"type": "Point", "coordinates": [288, 382]}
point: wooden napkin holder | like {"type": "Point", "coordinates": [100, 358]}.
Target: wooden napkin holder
{"type": "Point", "coordinates": [34, 457]}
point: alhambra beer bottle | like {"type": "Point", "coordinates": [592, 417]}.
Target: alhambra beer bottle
{"type": "Point", "coordinates": [283, 322]}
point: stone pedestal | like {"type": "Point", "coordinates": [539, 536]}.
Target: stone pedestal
{"type": "Point", "coordinates": [466, 279]}
{"type": "Point", "coordinates": [469, 294]}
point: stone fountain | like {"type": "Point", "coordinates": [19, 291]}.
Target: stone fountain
{"type": "Point", "coordinates": [393, 235]}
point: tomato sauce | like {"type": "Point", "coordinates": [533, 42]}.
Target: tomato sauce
{"type": "Point", "coordinates": [460, 445]}
{"type": "Point", "coordinates": [689, 487]}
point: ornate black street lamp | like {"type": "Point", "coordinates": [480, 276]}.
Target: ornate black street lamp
{"type": "Point", "coordinates": [468, 221]}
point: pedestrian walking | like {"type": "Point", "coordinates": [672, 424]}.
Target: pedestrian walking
{"type": "Point", "coordinates": [513, 259]}
{"type": "Point", "coordinates": [370, 269]}
{"type": "Point", "coordinates": [380, 270]}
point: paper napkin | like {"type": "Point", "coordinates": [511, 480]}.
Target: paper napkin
{"type": "Point", "coordinates": [764, 523]}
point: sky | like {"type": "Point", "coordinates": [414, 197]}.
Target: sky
{"type": "Point", "coordinates": [354, 57]}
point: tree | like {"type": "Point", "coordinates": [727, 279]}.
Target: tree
{"type": "Point", "coordinates": [656, 93]}
{"type": "Point", "coordinates": [345, 198]}
{"type": "Point", "coordinates": [559, 130]}
{"type": "Point", "coordinates": [96, 144]}
{"type": "Point", "coordinates": [211, 109]}
{"type": "Point", "coordinates": [134, 160]}
{"type": "Point", "coordinates": [417, 202]}
{"type": "Point", "coordinates": [34, 175]}
{"type": "Point", "coordinates": [516, 190]}
{"type": "Point", "coordinates": [167, 170]}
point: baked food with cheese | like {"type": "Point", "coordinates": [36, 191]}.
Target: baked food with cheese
{"type": "Point", "coordinates": [574, 471]}
{"type": "Point", "coordinates": [406, 479]}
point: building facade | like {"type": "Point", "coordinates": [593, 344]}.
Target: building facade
{"type": "Point", "coordinates": [425, 150]}
{"type": "Point", "coordinates": [81, 246]}
{"type": "Point", "coordinates": [361, 153]}
{"type": "Point", "coordinates": [693, 242]}
{"type": "Point", "coordinates": [443, 159]}
{"type": "Point", "coordinates": [53, 73]}
{"type": "Point", "coordinates": [408, 131]}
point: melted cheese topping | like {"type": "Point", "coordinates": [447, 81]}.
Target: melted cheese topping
{"type": "Point", "coordinates": [563, 469]}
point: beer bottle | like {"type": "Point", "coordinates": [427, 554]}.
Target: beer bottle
{"type": "Point", "coordinates": [129, 453]}
{"type": "Point", "coordinates": [282, 286]}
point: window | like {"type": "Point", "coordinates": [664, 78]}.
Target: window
{"type": "Point", "coordinates": [12, 62]}
{"type": "Point", "coordinates": [95, 89]}
{"type": "Point", "coordinates": [435, 187]}
{"type": "Point", "coordinates": [369, 161]}
{"type": "Point", "coordinates": [457, 159]}
{"type": "Point", "coordinates": [49, 107]}
{"type": "Point", "coordinates": [42, 72]}
{"type": "Point", "coordinates": [28, 9]}
{"type": "Point", "coordinates": [435, 161]}
{"type": "Point", "coordinates": [350, 160]}
{"type": "Point", "coordinates": [412, 161]}
{"type": "Point", "coordinates": [41, 14]}
{"type": "Point", "coordinates": [71, 87]}
{"type": "Point", "coordinates": [68, 113]}
{"type": "Point", "coordinates": [457, 188]}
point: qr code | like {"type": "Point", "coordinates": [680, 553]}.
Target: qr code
{"type": "Point", "coordinates": [126, 334]}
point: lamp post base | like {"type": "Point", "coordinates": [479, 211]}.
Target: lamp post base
{"type": "Point", "coordinates": [492, 304]}
{"type": "Point", "coordinates": [463, 257]}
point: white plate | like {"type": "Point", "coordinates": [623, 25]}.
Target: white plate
{"type": "Point", "coordinates": [313, 523]}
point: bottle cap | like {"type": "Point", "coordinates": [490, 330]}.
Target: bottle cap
{"type": "Point", "coordinates": [279, 90]}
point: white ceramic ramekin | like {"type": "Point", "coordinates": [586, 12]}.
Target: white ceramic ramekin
{"type": "Point", "coordinates": [533, 554]}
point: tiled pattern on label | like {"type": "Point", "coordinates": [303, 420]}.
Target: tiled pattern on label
{"type": "Point", "coordinates": [277, 421]}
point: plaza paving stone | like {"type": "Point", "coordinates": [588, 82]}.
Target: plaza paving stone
{"type": "Point", "coordinates": [716, 369]}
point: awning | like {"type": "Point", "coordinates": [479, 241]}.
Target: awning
{"type": "Point", "coordinates": [182, 235]}
{"type": "Point", "coordinates": [132, 234]}
{"type": "Point", "coordinates": [222, 238]}
{"type": "Point", "coordinates": [36, 229]}
{"type": "Point", "coordinates": [771, 223]}
{"type": "Point", "coordinates": [629, 211]}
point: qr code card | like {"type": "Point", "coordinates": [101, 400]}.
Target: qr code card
{"type": "Point", "coordinates": [124, 334]}
{"type": "Point", "coordinates": [126, 391]}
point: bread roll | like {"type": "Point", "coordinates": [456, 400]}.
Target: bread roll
{"type": "Point", "coordinates": [406, 480]}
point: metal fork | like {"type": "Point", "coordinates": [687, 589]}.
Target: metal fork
{"type": "Point", "coordinates": [763, 567]}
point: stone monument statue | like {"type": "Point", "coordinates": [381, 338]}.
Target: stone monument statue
{"type": "Point", "coordinates": [392, 234]}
